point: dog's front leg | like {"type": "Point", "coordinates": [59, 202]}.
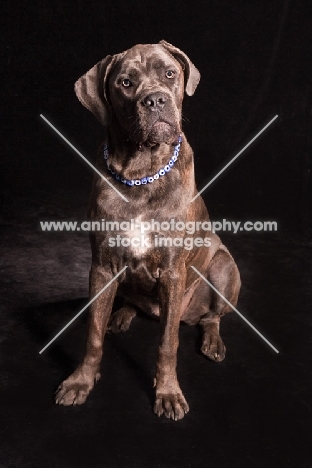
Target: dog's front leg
{"type": "Point", "coordinates": [169, 397]}
{"type": "Point", "coordinates": [75, 389]}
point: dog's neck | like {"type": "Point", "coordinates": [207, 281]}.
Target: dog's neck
{"type": "Point", "coordinates": [126, 158]}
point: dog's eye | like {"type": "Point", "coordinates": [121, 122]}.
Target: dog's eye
{"type": "Point", "coordinates": [170, 74]}
{"type": "Point", "coordinates": [126, 83]}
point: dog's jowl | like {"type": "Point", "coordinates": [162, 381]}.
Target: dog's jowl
{"type": "Point", "coordinates": [137, 95]}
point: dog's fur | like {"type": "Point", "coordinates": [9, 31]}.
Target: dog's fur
{"type": "Point", "coordinates": [143, 122]}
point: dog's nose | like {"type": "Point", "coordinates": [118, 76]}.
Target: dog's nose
{"type": "Point", "coordinates": [155, 101]}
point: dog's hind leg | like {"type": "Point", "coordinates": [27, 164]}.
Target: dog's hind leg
{"type": "Point", "coordinates": [223, 274]}
{"type": "Point", "coordinates": [122, 318]}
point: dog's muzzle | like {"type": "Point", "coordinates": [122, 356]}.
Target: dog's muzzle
{"type": "Point", "coordinates": [158, 120]}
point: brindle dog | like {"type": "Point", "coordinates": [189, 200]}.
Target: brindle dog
{"type": "Point", "coordinates": [137, 95]}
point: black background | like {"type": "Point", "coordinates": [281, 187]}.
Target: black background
{"type": "Point", "coordinates": [251, 410]}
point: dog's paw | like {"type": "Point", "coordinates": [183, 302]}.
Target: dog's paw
{"type": "Point", "coordinates": [121, 320]}
{"type": "Point", "coordinates": [213, 347]}
{"type": "Point", "coordinates": [74, 390]}
{"type": "Point", "coordinates": [172, 405]}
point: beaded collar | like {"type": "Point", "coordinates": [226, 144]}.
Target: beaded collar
{"type": "Point", "coordinates": [147, 179]}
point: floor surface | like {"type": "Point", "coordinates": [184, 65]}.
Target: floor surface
{"type": "Point", "coordinates": [253, 409]}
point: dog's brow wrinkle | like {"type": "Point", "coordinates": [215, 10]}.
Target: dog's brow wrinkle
{"type": "Point", "coordinates": [142, 58]}
{"type": "Point", "coordinates": [159, 64]}
{"type": "Point", "coordinates": [133, 72]}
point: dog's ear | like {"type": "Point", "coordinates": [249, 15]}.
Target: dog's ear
{"type": "Point", "coordinates": [90, 88]}
{"type": "Point", "coordinates": [192, 75]}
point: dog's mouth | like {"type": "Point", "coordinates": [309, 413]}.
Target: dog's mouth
{"type": "Point", "coordinates": [161, 131]}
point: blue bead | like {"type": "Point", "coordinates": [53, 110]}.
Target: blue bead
{"type": "Point", "coordinates": [161, 172]}
{"type": "Point", "coordinates": [174, 158]}
{"type": "Point", "coordinates": [150, 179]}
{"type": "Point", "coordinates": [171, 163]}
{"type": "Point", "coordinates": [167, 168]}
{"type": "Point", "coordinates": [156, 176]}
{"type": "Point", "coordinates": [117, 177]}
{"type": "Point", "coordinates": [176, 153]}
{"type": "Point", "coordinates": [130, 182]}
{"type": "Point", "coordinates": [137, 182]}
{"type": "Point", "coordinates": [113, 172]}
{"type": "Point", "coordinates": [144, 181]}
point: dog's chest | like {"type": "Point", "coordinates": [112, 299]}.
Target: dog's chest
{"type": "Point", "coordinates": [138, 237]}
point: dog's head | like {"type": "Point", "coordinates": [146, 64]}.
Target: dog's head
{"type": "Point", "coordinates": [142, 90]}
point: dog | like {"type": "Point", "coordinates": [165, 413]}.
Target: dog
{"type": "Point", "coordinates": [137, 95]}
